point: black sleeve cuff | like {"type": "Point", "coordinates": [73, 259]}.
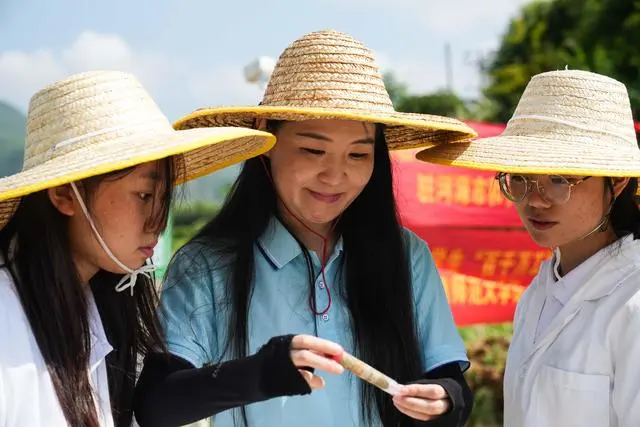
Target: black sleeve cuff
{"type": "Point", "coordinates": [451, 379]}
{"type": "Point", "coordinates": [280, 376]}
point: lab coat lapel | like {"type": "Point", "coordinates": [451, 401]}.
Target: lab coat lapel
{"type": "Point", "coordinates": [533, 314]}
{"type": "Point", "coordinates": [589, 289]}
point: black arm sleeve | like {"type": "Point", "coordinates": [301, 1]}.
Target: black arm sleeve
{"type": "Point", "coordinates": [450, 377]}
{"type": "Point", "coordinates": [171, 392]}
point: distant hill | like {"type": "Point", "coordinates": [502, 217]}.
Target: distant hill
{"type": "Point", "coordinates": [12, 133]}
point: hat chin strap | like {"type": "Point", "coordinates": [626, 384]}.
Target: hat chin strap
{"type": "Point", "coordinates": [128, 281]}
{"type": "Point", "coordinates": [600, 227]}
{"type": "Point", "coordinates": [605, 218]}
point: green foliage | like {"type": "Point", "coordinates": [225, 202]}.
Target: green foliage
{"type": "Point", "coordinates": [188, 220]}
{"type": "Point", "coordinates": [396, 89]}
{"type": "Point", "coordinates": [593, 35]}
{"type": "Point", "coordinates": [487, 347]}
{"type": "Point", "coordinates": [443, 103]}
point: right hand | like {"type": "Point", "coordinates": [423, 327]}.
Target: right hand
{"type": "Point", "coordinates": [308, 351]}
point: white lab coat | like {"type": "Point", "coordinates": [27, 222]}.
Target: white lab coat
{"type": "Point", "coordinates": [584, 368]}
{"type": "Point", "coordinates": [27, 396]}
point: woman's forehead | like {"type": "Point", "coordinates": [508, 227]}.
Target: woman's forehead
{"type": "Point", "coordinates": [332, 125]}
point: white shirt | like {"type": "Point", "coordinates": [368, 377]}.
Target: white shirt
{"type": "Point", "coordinates": [583, 369]}
{"type": "Point", "coordinates": [560, 288]}
{"type": "Point", "coordinates": [27, 396]}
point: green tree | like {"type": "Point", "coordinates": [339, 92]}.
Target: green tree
{"type": "Point", "coordinates": [443, 103]}
{"type": "Point", "coordinates": [189, 219]}
{"type": "Point", "coordinates": [396, 89]}
{"type": "Point", "coordinates": [594, 35]}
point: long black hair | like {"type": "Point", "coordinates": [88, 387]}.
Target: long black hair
{"type": "Point", "coordinates": [35, 249]}
{"type": "Point", "coordinates": [377, 286]}
{"type": "Point", "coordinates": [625, 214]}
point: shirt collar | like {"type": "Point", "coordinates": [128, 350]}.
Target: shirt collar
{"type": "Point", "coordinates": [100, 346]}
{"type": "Point", "coordinates": [280, 246]}
{"type": "Point", "coordinates": [615, 258]}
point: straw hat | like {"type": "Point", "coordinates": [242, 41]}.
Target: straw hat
{"type": "Point", "coordinates": [97, 122]}
{"type": "Point", "coordinates": [330, 75]}
{"type": "Point", "coordinates": [567, 123]}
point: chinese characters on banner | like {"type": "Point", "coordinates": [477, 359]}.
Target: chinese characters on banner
{"type": "Point", "coordinates": [484, 271]}
{"type": "Point", "coordinates": [484, 256]}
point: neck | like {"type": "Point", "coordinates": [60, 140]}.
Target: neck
{"type": "Point", "coordinates": [86, 270]}
{"type": "Point", "coordinates": [309, 233]}
{"type": "Point", "coordinates": [575, 253]}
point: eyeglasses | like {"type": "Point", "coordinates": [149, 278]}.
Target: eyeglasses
{"type": "Point", "coordinates": [555, 189]}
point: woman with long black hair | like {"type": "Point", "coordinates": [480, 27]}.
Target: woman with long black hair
{"type": "Point", "coordinates": [309, 242]}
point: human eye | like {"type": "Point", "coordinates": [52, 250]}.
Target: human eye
{"type": "Point", "coordinates": [145, 197]}
{"type": "Point", "coordinates": [560, 180]}
{"type": "Point", "coordinates": [359, 156]}
{"type": "Point", "coordinates": [313, 151]}
{"type": "Point", "coordinates": [517, 179]}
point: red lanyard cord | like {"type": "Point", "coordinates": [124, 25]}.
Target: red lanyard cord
{"type": "Point", "coordinates": [324, 260]}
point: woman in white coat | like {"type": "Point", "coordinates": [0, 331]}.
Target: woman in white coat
{"type": "Point", "coordinates": [568, 160]}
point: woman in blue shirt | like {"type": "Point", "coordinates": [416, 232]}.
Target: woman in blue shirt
{"type": "Point", "coordinates": [309, 242]}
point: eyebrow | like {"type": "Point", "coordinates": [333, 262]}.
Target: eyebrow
{"type": "Point", "coordinates": [313, 135]}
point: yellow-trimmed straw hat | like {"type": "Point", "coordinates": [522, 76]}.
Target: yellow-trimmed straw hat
{"type": "Point", "coordinates": [330, 75]}
{"type": "Point", "coordinates": [567, 122]}
{"type": "Point", "coordinates": [101, 121]}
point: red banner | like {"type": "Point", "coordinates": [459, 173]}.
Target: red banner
{"type": "Point", "coordinates": [484, 271]}
{"type": "Point", "coordinates": [484, 255]}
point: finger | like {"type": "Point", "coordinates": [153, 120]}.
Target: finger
{"type": "Point", "coordinates": [424, 406]}
{"type": "Point", "coordinates": [411, 413]}
{"type": "Point", "coordinates": [306, 358]}
{"type": "Point", "coordinates": [315, 382]}
{"type": "Point", "coordinates": [427, 391]}
{"type": "Point", "coordinates": [318, 345]}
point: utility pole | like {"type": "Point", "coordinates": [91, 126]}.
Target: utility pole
{"type": "Point", "coordinates": [448, 67]}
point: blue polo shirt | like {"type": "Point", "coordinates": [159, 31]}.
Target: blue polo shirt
{"type": "Point", "coordinates": [194, 312]}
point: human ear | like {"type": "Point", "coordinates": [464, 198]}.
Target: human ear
{"type": "Point", "coordinates": [61, 198]}
{"type": "Point", "coordinates": [619, 184]}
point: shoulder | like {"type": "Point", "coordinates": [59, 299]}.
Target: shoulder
{"type": "Point", "coordinates": [621, 314]}
{"type": "Point", "coordinates": [10, 307]}
{"type": "Point", "coordinates": [199, 258]}
{"type": "Point", "coordinates": [626, 298]}
{"type": "Point", "coordinates": [414, 246]}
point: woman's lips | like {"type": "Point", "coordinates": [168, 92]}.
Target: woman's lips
{"type": "Point", "coordinates": [541, 225]}
{"type": "Point", "coordinates": [325, 197]}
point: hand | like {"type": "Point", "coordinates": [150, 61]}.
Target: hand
{"type": "Point", "coordinates": [312, 352]}
{"type": "Point", "coordinates": [422, 402]}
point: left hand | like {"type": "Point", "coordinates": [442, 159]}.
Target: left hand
{"type": "Point", "coordinates": [422, 402]}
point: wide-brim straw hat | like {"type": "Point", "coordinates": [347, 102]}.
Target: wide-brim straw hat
{"type": "Point", "coordinates": [101, 121]}
{"type": "Point", "coordinates": [330, 75]}
{"type": "Point", "coordinates": [567, 122]}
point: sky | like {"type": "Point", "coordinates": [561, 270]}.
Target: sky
{"type": "Point", "coordinates": [191, 53]}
